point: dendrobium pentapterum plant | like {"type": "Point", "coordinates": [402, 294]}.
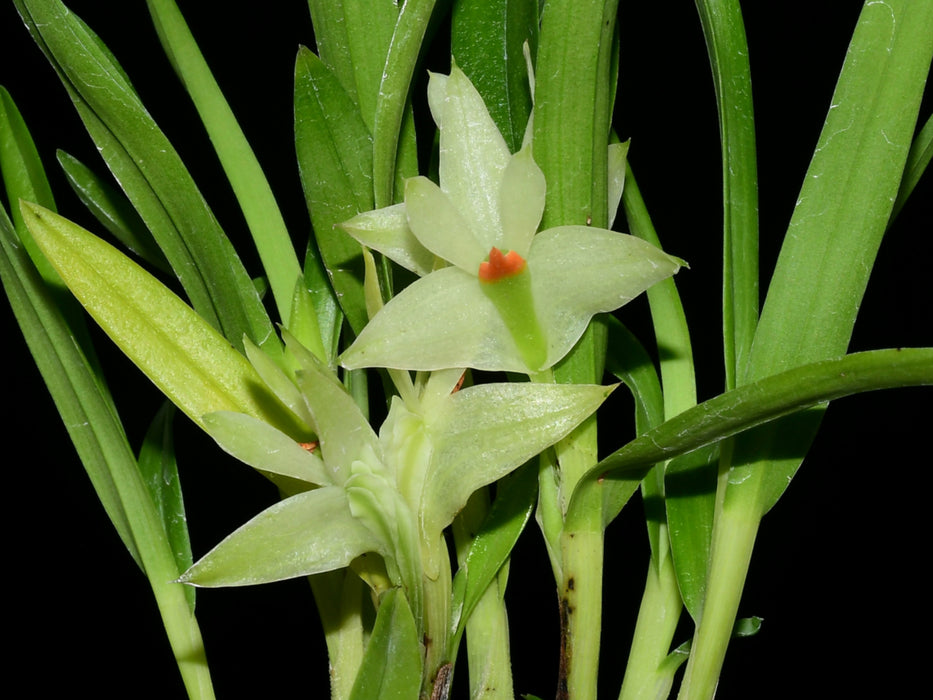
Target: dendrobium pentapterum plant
{"type": "Point", "coordinates": [494, 294]}
{"type": "Point", "coordinates": [378, 504]}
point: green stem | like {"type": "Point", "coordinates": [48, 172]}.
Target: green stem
{"type": "Point", "coordinates": [661, 603]}
{"type": "Point", "coordinates": [581, 593]}
{"type": "Point", "coordinates": [646, 674]}
{"type": "Point", "coordinates": [487, 629]}
{"type": "Point", "coordinates": [733, 540]}
{"type": "Point", "coordinates": [184, 635]}
{"type": "Point", "coordinates": [571, 141]}
{"type": "Point", "coordinates": [339, 599]}
{"type": "Point", "coordinates": [436, 606]}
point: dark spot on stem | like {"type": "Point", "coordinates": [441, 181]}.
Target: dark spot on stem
{"type": "Point", "coordinates": [564, 668]}
{"type": "Point", "coordinates": [441, 689]}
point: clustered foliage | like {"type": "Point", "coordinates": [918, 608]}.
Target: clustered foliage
{"type": "Point", "coordinates": [421, 377]}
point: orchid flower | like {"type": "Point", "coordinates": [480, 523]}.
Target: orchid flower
{"type": "Point", "coordinates": [356, 492]}
{"type": "Point", "coordinates": [494, 294]}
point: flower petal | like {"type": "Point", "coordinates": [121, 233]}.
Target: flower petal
{"type": "Point", "coordinates": [484, 432]}
{"type": "Point", "coordinates": [264, 447]}
{"type": "Point", "coordinates": [306, 534]}
{"type": "Point", "coordinates": [521, 202]}
{"type": "Point", "coordinates": [473, 154]}
{"type": "Point", "coordinates": [578, 271]}
{"type": "Point", "coordinates": [345, 434]}
{"type": "Point", "coordinates": [441, 321]}
{"type": "Point", "coordinates": [387, 231]}
{"type": "Point", "coordinates": [440, 227]}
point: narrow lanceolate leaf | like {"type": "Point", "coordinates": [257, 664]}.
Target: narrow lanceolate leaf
{"type": "Point", "coordinates": [690, 501]}
{"type": "Point", "coordinates": [157, 465]}
{"type": "Point", "coordinates": [23, 176]}
{"type": "Point", "coordinates": [484, 432]}
{"type": "Point", "coordinates": [631, 364]}
{"type": "Point", "coordinates": [728, 55]}
{"type": "Point", "coordinates": [179, 351]}
{"type": "Point", "coordinates": [102, 446]}
{"type": "Point", "coordinates": [754, 404]}
{"type": "Point", "coordinates": [492, 544]}
{"type": "Point", "coordinates": [486, 41]}
{"type": "Point", "coordinates": [334, 151]}
{"type": "Point", "coordinates": [394, 152]}
{"type": "Point", "coordinates": [392, 666]}
{"type": "Point", "coordinates": [87, 412]}
{"type": "Point", "coordinates": [306, 534]}
{"type": "Point", "coordinates": [842, 212]}
{"type": "Point", "coordinates": [370, 24]}
{"type": "Point", "coordinates": [112, 209]}
{"type": "Point", "coordinates": [150, 172]}
{"type": "Point", "coordinates": [252, 190]}
{"type": "Point", "coordinates": [921, 152]}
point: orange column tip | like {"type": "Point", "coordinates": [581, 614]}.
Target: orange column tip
{"type": "Point", "coordinates": [500, 265]}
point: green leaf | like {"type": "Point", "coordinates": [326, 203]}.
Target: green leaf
{"type": "Point", "coordinates": [159, 469]}
{"type": "Point", "coordinates": [921, 152]}
{"type": "Point", "coordinates": [754, 404]}
{"type": "Point", "coordinates": [306, 534]}
{"type": "Point", "coordinates": [151, 173]}
{"type": "Point", "coordinates": [369, 26]}
{"type": "Point", "coordinates": [326, 306]}
{"type": "Point", "coordinates": [728, 55]}
{"type": "Point", "coordinates": [85, 407]}
{"type": "Point", "coordinates": [690, 504]}
{"type": "Point", "coordinates": [628, 361]}
{"type": "Point", "coordinates": [179, 351]}
{"type": "Point", "coordinates": [236, 156]}
{"type": "Point", "coordinates": [101, 443]}
{"type": "Point", "coordinates": [335, 161]}
{"type": "Point", "coordinates": [747, 627]}
{"type": "Point", "coordinates": [486, 41]}
{"type": "Point", "coordinates": [842, 212]}
{"type": "Point", "coordinates": [333, 44]}
{"type": "Point", "coordinates": [392, 666]}
{"type": "Point", "coordinates": [23, 177]}
{"type": "Point", "coordinates": [492, 545]}
{"type": "Point", "coordinates": [572, 109]}
{"type": "Point", "coordinates": [394, 152]}
{"type": "Point", "coordinates": [667, 313]}
{"type": "Point", "coordinates": [112, 209]}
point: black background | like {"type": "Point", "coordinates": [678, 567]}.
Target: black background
{"type": "Point", "coordinates": [837, 571]}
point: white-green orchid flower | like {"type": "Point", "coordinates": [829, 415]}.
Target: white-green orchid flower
{"type": "Point", "coordinates": [391, 494]}
{"type": "Point", "coordinates": [494, 294]}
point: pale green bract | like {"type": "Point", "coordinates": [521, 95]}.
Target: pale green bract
{"type": "Point", "coordinates": [489, 198]}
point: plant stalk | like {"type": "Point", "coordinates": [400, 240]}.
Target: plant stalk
{"type": "Point", "coordinates": [734, 535]}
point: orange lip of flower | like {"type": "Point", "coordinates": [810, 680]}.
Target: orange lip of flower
{"type": "Point", "coordinates": [500, 265]}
